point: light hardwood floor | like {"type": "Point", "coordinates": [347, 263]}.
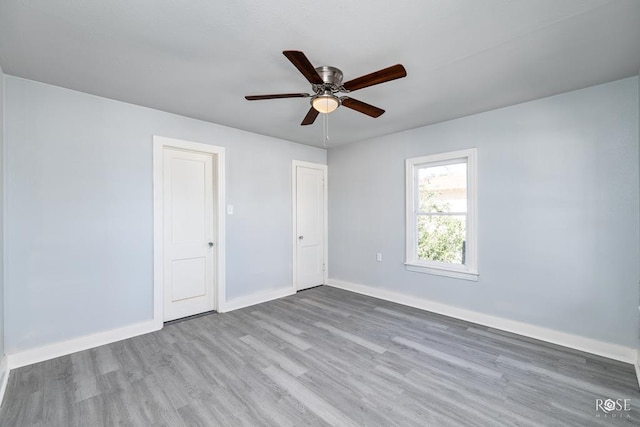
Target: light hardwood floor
{"type": "Point", "coordinates": [322, 357]}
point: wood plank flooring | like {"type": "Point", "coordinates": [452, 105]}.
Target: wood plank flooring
{"type": "Point", "coordinates": [322, 357]}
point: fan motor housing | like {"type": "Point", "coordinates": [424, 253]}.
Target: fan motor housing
{"type": "Point", "coordinates": [331, 76]}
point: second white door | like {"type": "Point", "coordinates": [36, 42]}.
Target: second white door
{"type": "Point", "coordinates": [309, 225]}
{"type": "Point", "coordinates": [189, 241]}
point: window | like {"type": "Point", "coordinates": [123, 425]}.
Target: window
{"type": "Point", "coordinates": [441, 214]}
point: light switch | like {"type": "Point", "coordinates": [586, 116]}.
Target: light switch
{"type": "Point", "coordinates": [230, 209]}
{"type": "Point", "coordinates": [379, 257]}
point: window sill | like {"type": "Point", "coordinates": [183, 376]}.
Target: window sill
{"type": "Point", "coordinates": [465, 275]}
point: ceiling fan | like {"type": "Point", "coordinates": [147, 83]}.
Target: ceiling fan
{"type": "Point", "coordinates": [326, 83]}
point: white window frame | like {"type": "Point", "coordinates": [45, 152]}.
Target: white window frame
{"type": "Point", "coordinates": [468, 271]}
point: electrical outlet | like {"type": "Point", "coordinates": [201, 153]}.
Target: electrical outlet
{"type": "Point", "coordinates": [379, 257]}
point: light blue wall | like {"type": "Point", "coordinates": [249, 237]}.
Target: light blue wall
{"type": "Point", "coordinates": [79, 210]}
{"type": "Point", "coordinates": [1, 213]}
{"type": "Point", "coordinates": [558, 208]}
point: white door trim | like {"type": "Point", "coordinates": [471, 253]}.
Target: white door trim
{"type": "Point", "coordinates": [294, 215]}
{"type": "Point", "coordinates": [159, 144]}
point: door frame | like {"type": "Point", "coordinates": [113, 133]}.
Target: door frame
{"type": "Point", "coordinates": [160, 143]}
{"type": "Point", "coordinates": [294, 215]}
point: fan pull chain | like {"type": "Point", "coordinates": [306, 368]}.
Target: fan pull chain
{"type": "Point", "coordinates": [325, 128]}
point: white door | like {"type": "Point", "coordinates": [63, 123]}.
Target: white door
{"type": "Point", "coordinates": [188, 230]}
{"type": "Point", "coordinates": [309, 226]}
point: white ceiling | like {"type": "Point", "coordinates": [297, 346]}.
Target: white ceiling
{"type": "Point", "coordinates": [199, 58]}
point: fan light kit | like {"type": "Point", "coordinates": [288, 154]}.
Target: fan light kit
{"type": "Point", "coordinates": [326, 83]}
{"type": "Point", "coordinates": [325, 103]}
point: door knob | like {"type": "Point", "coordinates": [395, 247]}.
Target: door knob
{"type": "Point", "coordinates": [210, 244]}
{"type": "Point", "coordinates": [300, 237]}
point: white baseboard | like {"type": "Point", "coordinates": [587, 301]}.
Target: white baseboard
{"type": "Point", "coordinates": [257, 298]}
{"type": "Point", "coordinates": [589, 345]}
{"type": "Point", "coordinates": [51, 351]}
{"type": "Point", "coordinates": [62, 348]}
{"type": "Point", "coordinates": [4, 377]}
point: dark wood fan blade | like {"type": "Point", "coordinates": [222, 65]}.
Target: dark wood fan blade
{"type": "Point", "coordinates": [390, 73]}
{"type": "Point", "coordinates": [310, 117]}
{"type": "Point", "coordinates": [300, 61]}
{"type": "Point", "coordinates": [276, 96]}
{"type": "Point", "coordinates": [362, 107]}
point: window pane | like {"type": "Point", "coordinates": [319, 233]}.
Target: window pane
{"type": "Point", "coordinates": [441, 238]}
{"type": "Point", "coordinates": [443, 188]}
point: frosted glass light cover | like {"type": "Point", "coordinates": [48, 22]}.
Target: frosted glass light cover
{"type": "Point", "coordinates": [325, 103]}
